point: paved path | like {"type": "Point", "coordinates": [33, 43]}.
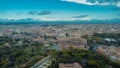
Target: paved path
{"type": "Point", "coordinates": [42, 62]}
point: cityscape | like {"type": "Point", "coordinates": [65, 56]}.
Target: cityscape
{"type": "Point", "coordinates": [35, 45]}
{"type": "Point", "coordinates": [59, 33]}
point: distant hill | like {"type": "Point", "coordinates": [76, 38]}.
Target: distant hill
{"type": "Point", "coordinates": [33, 21]}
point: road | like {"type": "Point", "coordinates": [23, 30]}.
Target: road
{"type": "Point", "coordinates": [41, 63]}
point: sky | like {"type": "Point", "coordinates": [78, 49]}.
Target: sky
{"type": "Point", "coordinates": [60, 10]}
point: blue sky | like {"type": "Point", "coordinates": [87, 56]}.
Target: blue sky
{"type": "Point", "coordinates": [60, 10]}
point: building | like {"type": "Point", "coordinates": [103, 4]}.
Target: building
{"type": "Point", "coordinates": [72, 42]}
{"type": "Point", "coordinates": [111, 52]}
{"type": "Point", "coordinates": [69, 65]}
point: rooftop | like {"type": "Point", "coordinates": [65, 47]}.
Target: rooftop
{"type": "Point", "coordinates": [69, 65]}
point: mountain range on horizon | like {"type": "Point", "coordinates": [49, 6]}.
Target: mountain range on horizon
{"type": "Point", "coordinates": [30, 20]}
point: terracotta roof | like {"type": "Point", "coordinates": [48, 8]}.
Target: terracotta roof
{"type": "Point", "coordinates": [69, 65]}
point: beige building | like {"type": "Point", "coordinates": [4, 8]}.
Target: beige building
{"type": "Point", "coordinates": [73, 42]}
{"type": "Point", "coordinates": [69, 65]}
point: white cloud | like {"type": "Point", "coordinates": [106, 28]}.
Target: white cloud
{"type": "Point", "coordinates": [96, 2]}
{"type": "Point", "coordinates": [63, 19]}
{"type": "Point", "coordinates": [118, 4]}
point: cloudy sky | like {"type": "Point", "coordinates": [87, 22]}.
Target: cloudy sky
{"type": "Point", "coordinates": [60, 10]}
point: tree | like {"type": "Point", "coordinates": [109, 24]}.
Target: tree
{"type": "Point", "coordinates": [92, 64]}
